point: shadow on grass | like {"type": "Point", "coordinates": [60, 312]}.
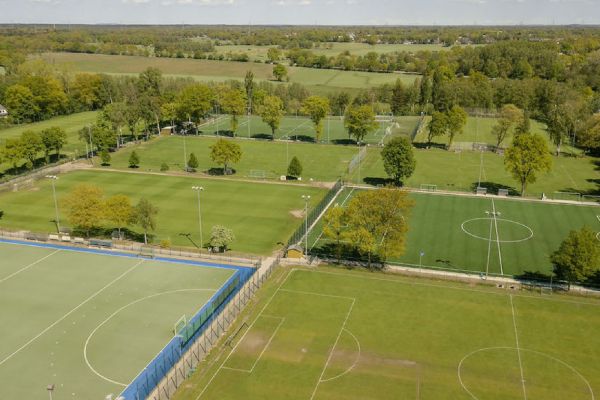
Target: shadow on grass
{"type": "Point", "coordinates": [377, 181]}
{"type": "Point", "coordinates": [420, 145]}
{"type": "Point", "coordinates": [344, 142]}
{"type": "Point", "coordinates": [219, 171]}
{"type": "Point", "coordinates": [262, 136]}
{"type": "Point", "coordinates": [303, 138]}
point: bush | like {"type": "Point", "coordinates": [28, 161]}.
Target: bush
{"type": "Point", "coordinates": [105, 156]}
{"type": "Point", "coordinates": [165, 243]}
{"type": "Point", "coordinates": [164, 167]}
{"type": "Point", "coordinates": [295, 167]}
{"type": "Point", "coordinates": [134, 160]}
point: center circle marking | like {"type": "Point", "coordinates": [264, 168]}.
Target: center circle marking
{"type": "Point", "coordinates": [498, 219]}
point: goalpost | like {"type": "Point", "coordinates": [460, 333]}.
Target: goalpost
{"type": "Point", "coordinates": [569, 196]}
{"type": "Point", "coordinates": [180, 324]}
{"type": "Point", "coordinates": [428, 188]}
{"type": "Point", "coordinates": [257, 174]}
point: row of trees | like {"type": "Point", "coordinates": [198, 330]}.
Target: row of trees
{"type": "Point", "coordinates": [30, 144]}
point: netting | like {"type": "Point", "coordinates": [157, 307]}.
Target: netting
{"type": "Point", "coordinates": [590, 199]}
{"type": "Point", "coordinates": [257, 174]}
{"type": "Point", "coordinates": [567, 196]}
{"type": "Point", "coordinates": [428, 188]}
{"type": "Point", "coordinates": [357, 158]}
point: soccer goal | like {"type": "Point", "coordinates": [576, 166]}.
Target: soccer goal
{"type": "Point", "coordinates": [546, 290]}
{"type": "Point", "coordinates": [180, 324]}
{"type": "Point", "coordinates": [257, 174]}
{"type": "Point", "coordinates": [568, 196]}
{"type": "Point", "coordinates": [590, 199]}
{"type": "Point", "coordinates": [428, 188]}
{"type": "Point", "coordinates": [481, 190]}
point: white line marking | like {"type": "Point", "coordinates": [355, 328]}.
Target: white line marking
{"type": "Point", "coordinates": [115, 313]}
{"type": "Point", "coordinates": [244, 335]}
{"type": "Point", "coordinates": [497, 237]}
{"type": "Point", "coordinates": [332, 349]}
{"type": "Point", "coordinates": [566, 172]}
{"type": "Point", "coordinates": [30, 265]}
{"type": "Point", "coordinates": [518, 350]}
{"type": "Point", "coordinates": [353, 365]}
{"type": "Point", "coordinates": [319, 238]}
{"type": "Point", "coordinates": [317, 294]}
{"type": "Point", "coordinates": [487, 265]}
{"type": "Point", "coordinates": [69, 313]}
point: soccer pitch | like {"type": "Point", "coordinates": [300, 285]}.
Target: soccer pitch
{"type": "Point", "coordinates": [90, 322]}
{"type": "Point", "coordinates": [302, 129]}
{"type": "Point", "coordinates": [459, 233]}
{"type": "Point", "coordinates": [331, 334]}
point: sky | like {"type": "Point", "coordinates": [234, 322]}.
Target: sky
{"type": "Point", "coordinates": [302, 12]}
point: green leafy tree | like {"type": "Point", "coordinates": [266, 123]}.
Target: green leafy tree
{"type": "Point", "coordinates": [164, 167]}
{"type": "Point", "coordinates": [20, 102]}
{"type": "Point", "coordinates": [32, 145]}
{"type": "Point", "coordinates": [557, 125]}
{"type": "Point", "coordinates": [436, 126]}
{"type": "Point", "coordinates": [48, 94]}
{"type": "Point", "coordinates": [279, 72]}
{"type": "Point", "coordinates": [12, 151]}
{"type": "Point", "coordinates": [578, 256]}
{"type": "Point", "coordinates": [225, 152]}
{"type": "Point", "coordinates": [359, 121]}
{"type": "Point", "coordinates": [235, 103]}
{"type": "Point", "coordinates": [524, 126]}
{"type": "Point", "coordinates": [398, 100]}
{"type": "Point", "coordinates": [221, 237]}
{"type": "Point", "coordinates": [86, 89]}
{"type": "Point", "coordinates": [193, 161]}
{"type": "Point", "coordinates": [271, 113]}
{"type": "Point", "coordinates": [119, 211]}
{"type": "Point", "coordinates": [195, 102]}
{"type": "Point", "coordinates": [456, 119]}
{"type": "Point", "coordinates": [273, 54]}
{"type": "Point", "coordinates": [398, 159]}
{"type": "Point", "coordinates": [249, 86]}
{"type": "Point", "coordinates": [105, 157]}
{"type": "Point", "coordinates": [510, 118]}
{"type": "Point", "coordinates": [144, 216]}
{"type": "Point", "coordinates": [295, 167]}
{"type": "Point", "coordinates": [527, 155]}
{"type": "Point", "coordinates": [54, 138]}
{"type": "Point", "coordinates": [84, 207]}
{"type": "Point", "coordinates": [102, 138]}
{"type": "Point", "coordinates": [317, 107]}
{"type": "Point", "coordinates": [134, 159]}
{"type": "Point", "coordinates": [334, 222]}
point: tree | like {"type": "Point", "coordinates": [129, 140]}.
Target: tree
{"type": "Point", "coordinates": [524, 126]}
{"type": "Point", "coordinates": [102, 138]}
{"type": "Point", "coordinates": [557, 123]}
{"type": "Point", "coordinates": [279, 72]}
{"type": "Point", "coordinates": [193, 161]}
{"type": "Point", "coordinates": [32, 144]}
{"type": "Point", "coordinates": [334, 222]}
{"type": "Point", "coordinates": [235, 103]}
{"type": "Point", "coordinates": [119, 211]}
{"type": "Point", "coordinates": [84, 207]}
{"type": "Point", "coordinates": [456, 119]}
{"type": "Point", "coordinates": [436, 126]}
{"type": "Point", "coordinates": [134, 160]}
{"type": "Point", "coordinates": [12, 151]}
{"type": "Point", "coordinates": [225, 152]}
{"type": "Point", "coordinates": [144, 216]}
{"type": "Point", "coordinates": [273, 54]}
{"type": "Point", "coordinates": [48, 94]}
{"type": "Point", "coordinates": [578, 256]}
{"type": "Point", "coordinates": [54, 138]}
{"type": "Point", "coordinates": [589, 137]}
{"type": "Point", "coordinates": [221, 237]}
{"type": "Point", "coordinates": [398, 100]}
{"type": "Point", "coordinates": [398, 159]}
{"type": "Point", "coordinates": [86, 89]}
{"type": "Point", "coordinates": [360, 121]}
{"type": "Point", "coordinates": [526, 155]}
{"type": "Point", "coordinates": [295, 167]}
{"type": "Point", "coordinates": [249, 86]}
{"type": "Point", "coordinates": [196, 101]}
{"type": "Point", "coordinates": [271, 113]}
{"type": "Point", "coordinates": [317, 107]}
{"type": "Point", "coordinates": [105, 157]}
{"type": "Point", "coordinates": [510, 118]}
{"type": "Point", "coordinates": [20, 103]}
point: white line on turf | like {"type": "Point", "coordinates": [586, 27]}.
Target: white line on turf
{"type": "Point", "coordinates": [487, 265]}
{"type": "Point", "coordinates": [353, 365]}
{"type": "Point", "coordinates": [342, 205]}
{"type": "Point", "coordinates": [245, 333]}
{"type": "Point", "coordinates": [518, 350]}
{"type": "Point", "coordinates": [30, 265]}
{"type": "Point", "coordinates": [69, 313]}
{"type": "Point", "coordinates": [317, 294]}
{"type": "Point", "coordinates": [497, 237]}
{"type": "Point", "coordinates": [566, 172]}
{"type": "Point", "coordinates": [332, 349]}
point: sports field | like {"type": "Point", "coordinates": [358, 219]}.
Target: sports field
{"type": "Point", "coordinates": [89, 323]}
{"type": "Point", "coordinates": [260, 215]}
{"type": "Point", "coordinates": [331, 334]}
{"type": "Point", "coordinates": [458, 233]}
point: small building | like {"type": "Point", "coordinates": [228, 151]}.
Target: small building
{"type": "Point", "coordinates": [3, 112]}
{"type": "Point", "coordinates": [294, 251]}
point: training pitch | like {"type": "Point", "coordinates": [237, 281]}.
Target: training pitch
{"type": "Point", "coordinates": [457, 233]}
{"type": "Point", "coordinates": [89, 323]}
{"type": "Point", "coordinates": [327, 334]}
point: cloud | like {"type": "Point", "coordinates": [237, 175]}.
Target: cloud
{"type": "Point", "coordinates": [40, 1]}
{"type": "Point", "coordinates": [185, 1]}
{"type": "Point", "coordinates": [140, 1]}
{"type": "Point", "coordinates": [166, 3]}
{"type": "Point", "coordinates": [305, 2]}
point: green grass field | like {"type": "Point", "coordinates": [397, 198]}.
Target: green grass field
{"type": "Point", "coordinates": [330, 334]}
{"type": "Point", "coordinates": [457, 233]}
{"type": "Point", "coordinates": [89, 323]}
{"type": "Point", "coordinates": [259, 214]}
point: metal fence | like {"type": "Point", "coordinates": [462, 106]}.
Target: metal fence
{"type": "Point", "coordinates": [30, 178]}
{"type": "Point", "coordinates": [357, 158]}
{"type": "Point", "coordinates": [206, 341]}
{"type": "Point", "coordinates": [417, 129]}
{"type": "Point", "coordinates": [314, 214]}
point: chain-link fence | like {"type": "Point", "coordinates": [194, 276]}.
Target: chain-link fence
{"type": "Point", "coordinates": [201, 347]}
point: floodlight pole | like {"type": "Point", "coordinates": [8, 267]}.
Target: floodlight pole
{"type": "Point", "coordinates": [306, 198]}
{"type": "Point", "coordinates": [358, 163]}
{"type": "Point", "coordinates": [477, 132]}
{"type": "Point", "coordinates": [480, 166]}
{"type": "Point", "coordinates": [217, 107]}
{"type": "Point", "coordinates": [53, 178]}
{"type": "Point", "coordinates": [199, 189]}
{"type": "Point", "coordinates": [248, 119]}
{"type": "Point", "coordinates": [50, 388]}
{"type": "Point", "coordinates": [328, 127]}
{"type": "Point", "coordinates": [184, 154]}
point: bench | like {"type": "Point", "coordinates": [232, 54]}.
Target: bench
{"type": "Point", "coordinates": [53, 237]}
{"type": "Point", "coordinates": [79, 240]}
{"type": "Point", "coordinates": [65, 238]}
{"type": "Point", "coordinates": [101, 243]}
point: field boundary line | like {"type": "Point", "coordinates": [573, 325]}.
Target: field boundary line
{"type": "Point", "coordinates": [333, 349]}
{"type": "Point", "coordinates": [353, 365]}
{"type": "Point", "coordinates": [319, 238]}
{"type": "Point", "coordinates": [244, 335]}
{"type": "Point", "coordinates": [265, 348]}
{"type": "Point", "coordinates": [30, 265]}
{"type": "Point", "coordinates": [70, 312]}
{"type": "Point", "coordinates": [518, 349]}
{"type": "Point", "coordinates": [497, 237]}
{"type": "Point", "coordinates": [317, 294]}
{"type": "Point", "coordinates": [487, 265]}
{"type": "Point", "coordinates": [567, 172]}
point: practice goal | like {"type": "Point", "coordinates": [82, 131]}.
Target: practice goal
{"type": "Point", "coordinates": [428, 188]}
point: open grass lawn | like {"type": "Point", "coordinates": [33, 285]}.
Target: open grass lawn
{"type": "Point", "coordinates": [457, 233]}
{"type": "Point", "coordinates": [259, 214]}
{"type": "Point", "coordinates": [207, 70]}
{"type": "Point", "coordinates": [89, 323]}
{"type": "Point", "coordinates": [330, 334]}
{"type": "Point", "coordinates": [460, 172]}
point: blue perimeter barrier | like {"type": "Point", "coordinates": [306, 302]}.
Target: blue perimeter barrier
{"type": "Point", "coordinates": [157, 369]}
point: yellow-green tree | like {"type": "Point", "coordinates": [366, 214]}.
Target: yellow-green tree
{"type": "Point", "coordinates": [359, 121]}
{"type": "Point", "coordinates": [317, 107]}
{"type": "Point", "coordinates": [578, 256]}
{"type": "Point", "coordinates": [145, 216]}
{"type": "Point", "coordinates": [119, 211]}
{"type": "Point", "coordinates": [225, 152]}
{"type": "Point", "coordinates": [334, 221]}
{"type": "Point", "coordinates": [271, 113]}
{"type": "Point", "coordinates": [527, 155]}
{"type": "Point", "coordinates": [234, 102]}
{"type": "Point", "coordinates": [84, 207]}
{"type": "Point", "coordinates": [510, 118]}
{"type": "Point", "coordinates": [86, 89]}
{"type": "Point", "coordinates": [32, 145]}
